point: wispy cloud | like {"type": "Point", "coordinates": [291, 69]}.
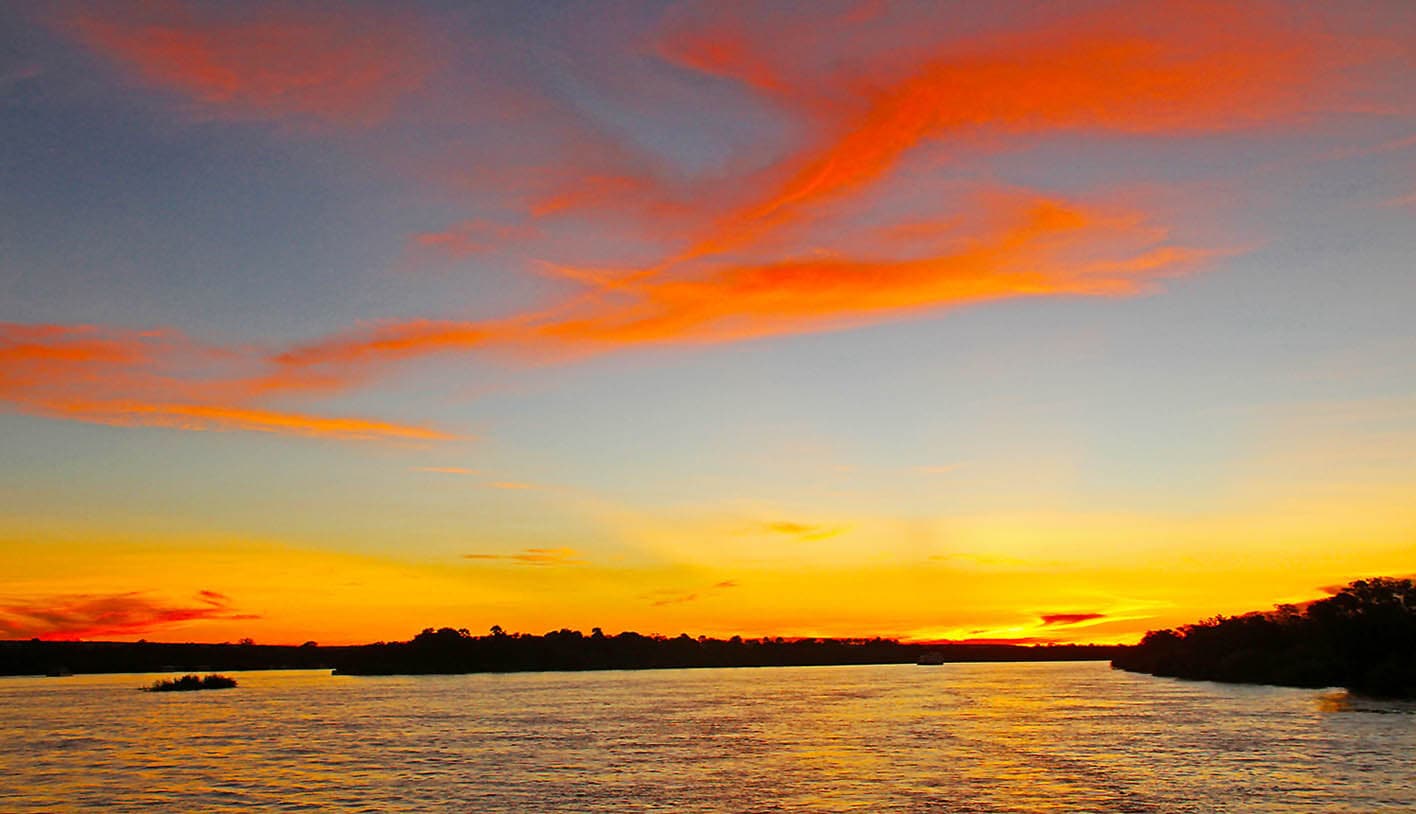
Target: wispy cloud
{"type": "Point", "coordinates": [473, 237]}
{"type": "Point", "coordinates": [1067, 619]}
{"type": "Point", "coordinates": [1182, 69]}
{"type": "Point", "coordinates": [746, 273]}
{"type": "Point", "coordinates": [220, 418]}
{"type": "Point", "coordinates": [801, 531]}
{"type": "Point", "coordinates": [271, 61]}
{"type": "Point", "coordinates": [1026, 246]}
{"type": "Point", "coordinates": [75, 616]}
{"type": "Point", "coordinates": [668, 597]}
{"type": "Point", "coordinates": [943, 469]}
{"type": "Point", "coordinates": [534, 556]}
{"type": "Point", "coordinates": [998, 561]}
{"type": "Point", "coordinates": [16, 75]}
{"type": "Point", "coordinates": [149, 379]}
{"type": "Point", "coordinates": [445, 470]}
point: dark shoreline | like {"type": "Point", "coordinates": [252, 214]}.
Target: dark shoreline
{"type": "Point", "coordinates": [449, 652]}
{"type": "Point", "coordinates": [1362, 639]}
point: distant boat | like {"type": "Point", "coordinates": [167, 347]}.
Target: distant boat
{"type": "Point", "coordinates": [58, 672]}
{"type": "Point", "coordinates": [931, 657]}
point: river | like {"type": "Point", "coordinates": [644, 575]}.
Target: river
{"type": "Point", "coordinates": [953, 738]}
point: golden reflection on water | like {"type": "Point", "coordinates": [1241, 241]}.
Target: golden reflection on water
{"type": "Point", "coordinates": [956, 738]}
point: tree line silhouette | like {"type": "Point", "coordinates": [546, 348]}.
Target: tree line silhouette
{"type": "Point", "coordinates": [36, 657]}
{"type": "Point", "coordinates": [448, 650]}
{"type": "Point", "coordinates": [1363, 637]}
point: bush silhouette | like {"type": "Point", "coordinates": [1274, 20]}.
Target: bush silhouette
{"type": "Point", "coordinates": [191, 682]}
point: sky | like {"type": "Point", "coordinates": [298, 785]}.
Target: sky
{"type": "Point", "coordinates": [1016, 321]}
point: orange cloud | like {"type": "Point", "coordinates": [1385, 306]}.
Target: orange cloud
{"type": "Point", "coordinates": [660, 599]}
{"type": "Point", "coordinates": [473, 237]}
{"type": "Point", "coordinates": [723, 46]}
{"type": "Point", "coordinates": [534, 556]}
{"type": "Point", "coordinates": [94, 615]}
{"type": "Point", "coordinates": [388, 342]}
{"type": "Point", "coordinates": [265, 61]}
{"type": "Point", "coordinates": [1048, 248]}
{"type": "Point", "coordinates": [1053, 619]}
{"type": "Point", "coordinates": [227, 418]}
{"type": "Point", "coordinates": [1019, 245]}
{"type": "Point", "coordinates": [1176, 69]}
{"type": "Point", "coordinates": [158, 379]}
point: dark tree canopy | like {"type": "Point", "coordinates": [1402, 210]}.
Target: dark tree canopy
{"type": "Point", "coordinates": [456, 650]}
{"type": "Point", "coordinates": [1363, 637]}
{"type": "Point", "coordinates": [446, 650]}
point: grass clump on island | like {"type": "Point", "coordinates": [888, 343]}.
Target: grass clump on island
{"type": "Point", "coordinates": [191, 682]}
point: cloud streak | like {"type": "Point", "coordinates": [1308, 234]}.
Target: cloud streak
{"type": "Point", "coordinates": [86, 616]}
{"type": "Point", "coordinates": [1025, 246]}
{"type": "Point", "coordinates": [802, 531]}
{"type": "Point", "coordinates": [1067, 619]}
{"type": "Point", "coordinates": [541, 557]}
{"type": "Point", "coordinates": [162, 379]}
{"type": "Point", "coordinates": [665, 598]}
{"type": "Point", "coordinates": [265, 61]}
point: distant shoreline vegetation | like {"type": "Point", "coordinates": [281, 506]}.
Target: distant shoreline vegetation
{"type": "Point", "coordinates": [449, 650]}
{"type": "Point", "coordinates": [191, 682]}
{"type": "Point", "coordinates": [1363, 638]}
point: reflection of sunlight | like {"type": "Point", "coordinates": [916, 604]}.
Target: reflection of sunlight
{"type": "Point", "coordinates": [1343, 701]}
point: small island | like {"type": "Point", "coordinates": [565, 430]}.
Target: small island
{"type": "Point", "coordinates": [448, 650]}
{"type": "Point", "coordinates": [190, 682]}
{"type": "Point", "coordinates": [1362, 638]}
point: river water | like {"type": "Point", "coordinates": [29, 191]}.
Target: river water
{"type": "Point", "coordinates": [953, 738]}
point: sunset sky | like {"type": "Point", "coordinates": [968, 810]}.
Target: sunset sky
{"type": "Point", "coordinates": [1007, 321]}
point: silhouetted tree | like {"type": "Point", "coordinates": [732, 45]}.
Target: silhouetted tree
{"type": "Point", "coordinates": [1363, 637]}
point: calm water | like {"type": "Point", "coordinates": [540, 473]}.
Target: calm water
{"type": "Point", "coordinates": [961, 737]}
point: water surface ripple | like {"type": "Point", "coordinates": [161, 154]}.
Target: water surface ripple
{"type": "Point", "coordinates": [955, 738]}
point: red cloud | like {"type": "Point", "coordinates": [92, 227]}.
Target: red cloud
{"type": "Point", "coordinates": [1069, 618]}
{"type": "Point", "coordinates": [349, 67]}
{"type": "Point", "coordinates": [91, 615]}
